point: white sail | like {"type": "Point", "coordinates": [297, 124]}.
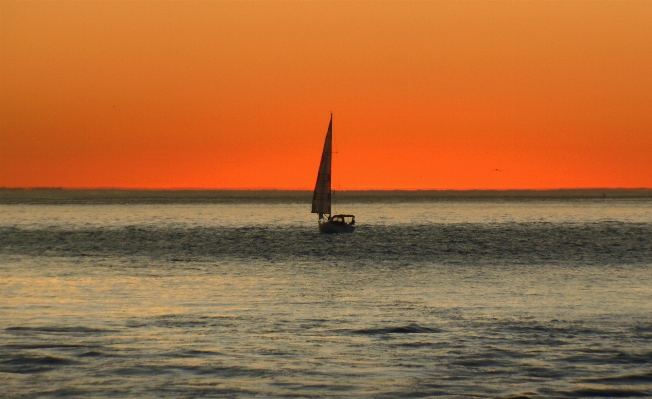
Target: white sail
{"type": "Point", "coordinates": [321, 198]}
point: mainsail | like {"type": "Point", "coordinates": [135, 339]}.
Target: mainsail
{"type": "Point", "coordinates": [321, 198]}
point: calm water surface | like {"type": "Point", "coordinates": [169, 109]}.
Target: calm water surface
{"type": "Point", "coordinates": [530, 298]}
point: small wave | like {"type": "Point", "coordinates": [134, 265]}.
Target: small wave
{"type": "Point", "coordinates": [409, 329]}
{"type": "Point", "coordinates": [645, 378]}
{"type": "Point", "coordinates": [33, 364]}
{"type": "Point", "coordinates": [204, 353]}
{"type": "Point", "coordinates": [42, 346]}
{"type": "Point", "coordinates": [57, 329]}
{"type": "Point", "coordinates": [643, 331]}
{"type": "Point", "coordinates": [605, 393]}
{"type": "Point", "coordinates": [421, 344]}
{"type": "Point", "coordinates": [211, 369]}
{"type": "Point", "coordinates": [633, 358]}
{"type": "Point", "coordinates": [93, 354]}
{"type": "Point", "coordinates": [542, 372]}
{"type": "Point", "coordinates": [475, 362]}
{"type": "Point", "coordinates": [185, 321]}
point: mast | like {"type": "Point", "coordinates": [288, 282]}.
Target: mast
{"type": "Point", "coordinates": [321, 198]}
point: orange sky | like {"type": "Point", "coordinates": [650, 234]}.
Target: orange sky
{"type": "Point", "coordinates": [425, 95]}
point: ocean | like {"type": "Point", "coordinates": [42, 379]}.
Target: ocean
{"type": "Point", "coordinates": [236, 294]}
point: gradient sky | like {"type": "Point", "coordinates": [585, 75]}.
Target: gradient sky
{"type": "Point", "coordinates": [425, 95]}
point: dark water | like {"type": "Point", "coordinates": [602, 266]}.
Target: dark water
{"type": "Point", "coordinates": [473, 298]}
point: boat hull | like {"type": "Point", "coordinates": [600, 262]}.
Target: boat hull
{"type": "Point", "coordinates": [334, 228]}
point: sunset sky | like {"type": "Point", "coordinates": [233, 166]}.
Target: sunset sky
{"type": "Point", "coordinates": [424, 95]}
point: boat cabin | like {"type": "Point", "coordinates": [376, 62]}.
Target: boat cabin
{"type": "Point", "coordinates": [343, 219]}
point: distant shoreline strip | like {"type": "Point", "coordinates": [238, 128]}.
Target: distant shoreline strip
{"type": "Point", "coordinates": [115, 196]}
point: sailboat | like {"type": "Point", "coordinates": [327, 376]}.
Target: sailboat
{"type": "Point", "coordinates": [321, 197]}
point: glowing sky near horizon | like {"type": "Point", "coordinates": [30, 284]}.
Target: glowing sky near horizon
{"type": "Point", "coordinates": [425, 95]}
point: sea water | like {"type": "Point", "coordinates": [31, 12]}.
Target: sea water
{"type": "Point", "coordinates": [459, 298]}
